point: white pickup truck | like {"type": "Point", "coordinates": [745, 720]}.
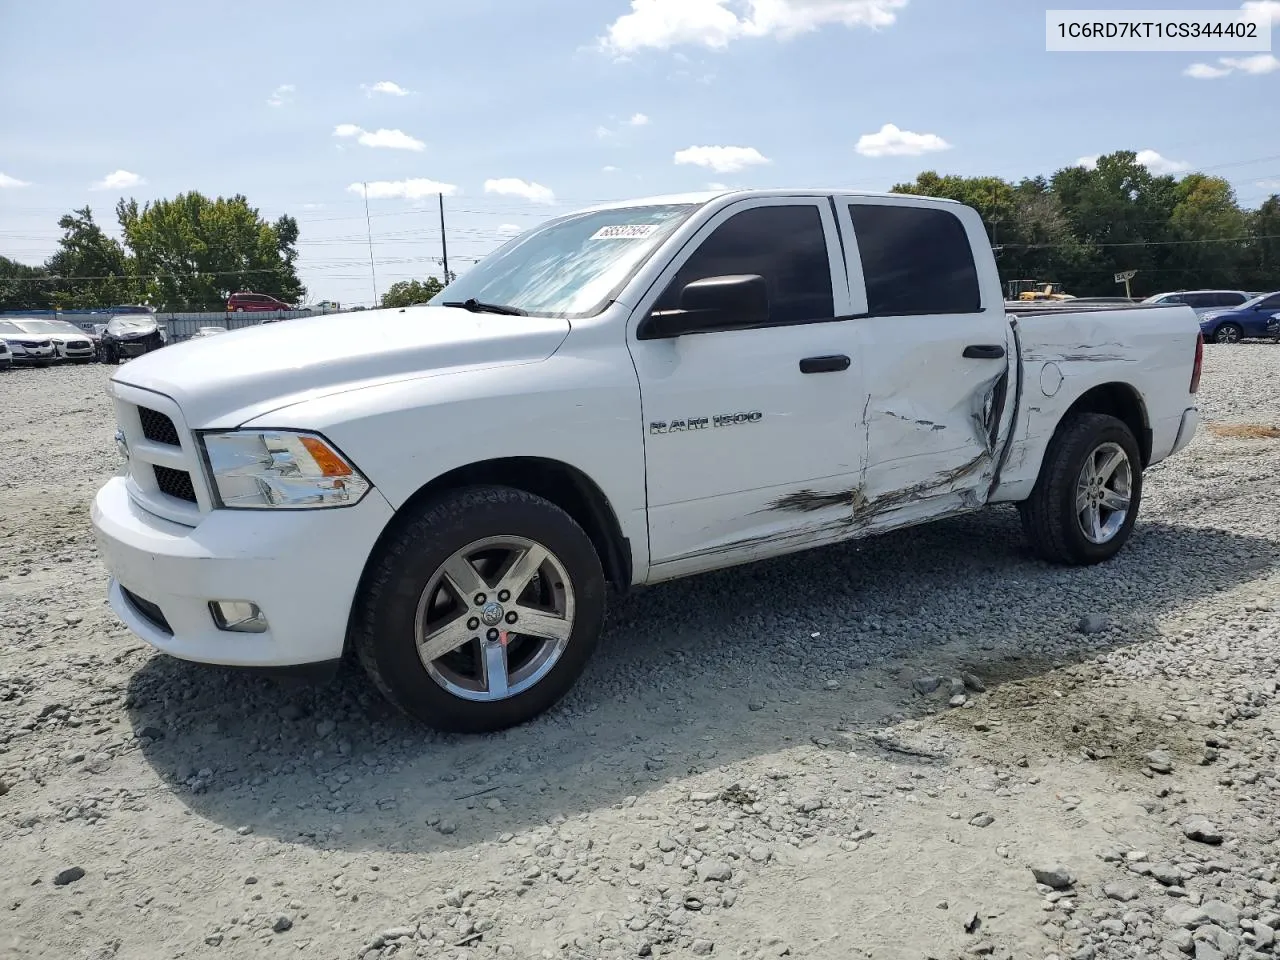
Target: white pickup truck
{"type": "Point", "coordinates": [624, 395]}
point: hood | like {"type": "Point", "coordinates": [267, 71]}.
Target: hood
{"type": "Point", "coordinates": [226, 380]}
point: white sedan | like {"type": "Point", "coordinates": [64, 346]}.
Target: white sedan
{"type": "Point", "coordinates": [70, 343]}
{"type": "Point", "coordinates": [27, 348]}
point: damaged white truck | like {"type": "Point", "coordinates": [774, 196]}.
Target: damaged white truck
{"type": "Point", "coordinates": [625, 395]}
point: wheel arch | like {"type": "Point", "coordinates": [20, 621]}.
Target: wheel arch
{"type": "Point", "coordinates": [1119, 400]}
{"type": "Point", "coordinates": [566, 486]}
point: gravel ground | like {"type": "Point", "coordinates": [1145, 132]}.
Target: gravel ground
{"type": "Point", "coordinates": [923, 746]}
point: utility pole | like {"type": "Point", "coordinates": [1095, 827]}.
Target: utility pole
{"type": "Point", "coordinates": [373, 273]}
{"type": "Point", "coordinates": [444, 243]}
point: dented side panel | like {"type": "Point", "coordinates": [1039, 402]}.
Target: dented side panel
{"type": "Point", "coordinates": [1066, 354]}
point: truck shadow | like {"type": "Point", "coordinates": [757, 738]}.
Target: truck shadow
{"type": "Point", "coordinates": [690, 676]}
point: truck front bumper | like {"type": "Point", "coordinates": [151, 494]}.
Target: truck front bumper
{"type": "Point", "coordinates": [301, 568]}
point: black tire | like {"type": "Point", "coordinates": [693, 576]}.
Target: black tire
{"type": "Point", "coordinates": [1234, 333]}
{"type": "Point", "coordinates": [1049, 517]}
{"type": "Point", "coordinates": [382, 630]}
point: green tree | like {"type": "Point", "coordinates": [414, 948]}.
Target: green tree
{"type": "Point", "coordinates": [22, 287]}
{"type": "Point", "coordinates": [405, 293]}
{"type": "Point", "coordinates": [89, 269]}
{"type": "Point", "coordinates": [1204, 219]}
{"type": "Point", "coordinates": [192, 252]}
{"type": "Point", "coordinates": [1264, 227]}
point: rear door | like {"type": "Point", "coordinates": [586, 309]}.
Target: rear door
{"type": "Point", "coordinates": [752, 445]}
{"type": "Point", "coordinates": [936, 349]}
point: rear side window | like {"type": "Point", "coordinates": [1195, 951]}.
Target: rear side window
{"type": "Point", "coordinates": [1271, 303]}
{"type": "Point", "coordinates": [916, 261]}
{"type": "Point", "coordinates": [1227, 299]}
{"type": "Point", "coordinates": [784, 244]}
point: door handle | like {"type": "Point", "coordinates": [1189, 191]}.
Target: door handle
{"type": "Point", "coordinates": [824, 364]}
{"type": "Point", "coordinates": [984, 352]}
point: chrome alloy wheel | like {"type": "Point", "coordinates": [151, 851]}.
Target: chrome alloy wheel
{"type": "Point", "coordinates": [495, 618]}
{"type": "Point", "coordinates": [1104, 492]}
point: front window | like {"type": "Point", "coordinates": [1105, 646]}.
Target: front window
{"type": "Point", "coordinates": [47, 326]}
{"type": "Point", "coordinates": [569, 267]}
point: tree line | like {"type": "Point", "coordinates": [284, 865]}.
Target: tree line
{"type": "Point", "coordinates": [1078, 227]}
{"type": "Point", "coordinates": [187, 253]}
{"type": "Point", "coordinates": [1081, 226]}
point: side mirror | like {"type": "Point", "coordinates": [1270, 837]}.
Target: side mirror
{"type": "Point", "coordinates": [737, 302]}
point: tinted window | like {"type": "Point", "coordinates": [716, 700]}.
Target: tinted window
{"type": "Point", "coordinates": [1271, 303]}
{"type": "Point", "coordinates": [916, 260]}
{"type": "Point", "coordinates": [1198, 299]}
{"type": "Point", "coordinates": [1225, 299]}
{"type": "Point", "coordinates": [785, 245]}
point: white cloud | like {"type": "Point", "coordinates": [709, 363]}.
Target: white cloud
{"type": "Point", "coordinates": [1270, 6]}
{"type": "Point", "coordinates": [892, 142]}
{"type": "Point", "coordinates": [1153, 161]}
{"type": "Point", "coordinates": [721, 159]}
{"type": "Point", "coordinates": [1205, 71]}
{"type": "Point", "coordinates": [1256, 65]}
{"type": "Point", "coordinates": [415, 189]}
{"type": "Point", "coordinates": [711, 23]}
{"type": "Point", "coordinates": [1161, 165]}
{"type": "Point", "coordinates": [609, 169]}
{"type": "Point", "coordinates": [638, 120]}
{"type": "Point", "coordinates": [513, 187]}
{"type": "Point", "coordinates": [604, 133]}
{"type": "Point", "coordinates": [509, 229]}
{"type": "Point", "coordinates": [282, 95]}
{"type": "Point", "coordinates": [717, 186]}
{"type": "Point", "coordinates": [1268, 184]}
{"type": "Point", "coordinates": [11, 183]}
{"type": "Point", "coordinates": [388, 87]}
{"type": "Point", "coordinates": [120, 180]}
{"type": "Point", "coordinates": [386, 139]}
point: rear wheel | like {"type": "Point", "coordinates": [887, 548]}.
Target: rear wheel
{"type": "Point", "coordinates": [1085, 502]}
{"type": "Point", "coordinates": [1228, 333]}
{"type": "Point", "coordinates": [481, 610]}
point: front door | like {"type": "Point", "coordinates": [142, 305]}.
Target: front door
{"type": "Point", "coordinates": [938, 346]}
{"type": "Point", "coordinates": [751, 439]}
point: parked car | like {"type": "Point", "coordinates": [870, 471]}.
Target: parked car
{"type": "Point", "coordinates": [130, 335]}
{"type": "Point", "coordinates": [27, 349]}
{"type": "Point", "coordinates": [1256, 318]}
{"type": "Point", "coordinates": [711, 380]}
{"type": "Point", "coordinates": [6, 355]}
{"type": "Point", "coordinates": [255, 303]}
{"type": "Point", "coordinates": [69, 341]}
{"type": "Point", "coordinates": [1202, 300]}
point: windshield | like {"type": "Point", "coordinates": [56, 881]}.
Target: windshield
{"type": "Point", "coordinates": [48, 326]}
{"type": "Point", "coordinates": [9, 327]}
{"type": "Point", "coordinates": [130, 324]}
{"type": "Point", "coordinates": [570, 267]}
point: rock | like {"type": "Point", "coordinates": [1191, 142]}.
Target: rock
{"type": "Point", "coordinates": [973, 682]}
{"type": "Point", "coordinates": [1263, 936]}
{"type": "Point", "coordinates": [809, 805]}
{"type": "Point", "coordinates": [1206, 951]}
{"type": "Point", "coordinates": [982, 820]}
{"type": "Point", "coordinates": [959, 700]}
{"type": "Point", "coordinates": [213, 939]}
{"type": "Point", "coordinates": [395, 933]}
{"type": "Point", "coordinates": [1223, 914]}
{"type": "Point", "coordinates": [150, 732]}
{"type": "Point", "coordinates": [754, 706]}
{"type": "Point", "coordinates": [98, 763]}
{"type": "Point", "coordinates": [1202, 830]}
{"type": "Point", "coordinates": [832, 685]}
{"type": "Point", "coordinates": [290, 711]}
{"type": "Point", "coordinates": [1166, 874]}
{"type": "Point", "coordinates": [926, 685]}
{"type": "Point", "coordinates": [972, 922]}
{"type": "Point", "coordinates": [4, 787]}
{"type": "Point", "coordinates": [956, 687]}
{"type": "Point", "coordinates": [1159, 761]}
{"type": "Point", "coordinates": [714, 871]}
{"type": "Point", "coordinates": [702, 948]}
{"type": "Point", "coordinates": [282, 923]}
{"type": "Point", "coordinates": [1119, 890]}
{"type": "Point", "coordinates": [759, 854]}
{"type": "Point", "coordinates": [1054, 875]}
{"type": "Point", "coordinates": [1092, 623]}
{"type": "Point", "coordinates": [1181, 941]}
{"type": "Point", "coordinates": [244, 831]}
{"type": "Point", "coordinates": [69, 875]}
{"type": "Point", "coordinates": [325, 727]}
{"type": "Point", "coordinates": [446, 827]}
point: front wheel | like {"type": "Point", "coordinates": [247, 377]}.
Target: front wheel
{"type": "Point", "coordinates": [1085, 502]}
{"type": "Point", "coordinates": [1228, 333]}
{"type": "Point", "coordinates": [480, 610]}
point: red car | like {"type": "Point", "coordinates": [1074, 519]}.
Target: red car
{"type": "Point", "coordinates": [255, 303]}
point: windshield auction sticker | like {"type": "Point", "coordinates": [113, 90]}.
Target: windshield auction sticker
{"type": "Point", "coordinates": [625, 231]}
{"type": "Point", "coordinates": [1141, 31]}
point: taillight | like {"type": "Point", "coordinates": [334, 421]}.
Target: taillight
{"type": "Point", "coordinates": [1199, 365]}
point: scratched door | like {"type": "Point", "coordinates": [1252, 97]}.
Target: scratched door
{"type": "Point", "coordinates": [746, 454]}
{"type": "Point", "coordinates": [937, 348]}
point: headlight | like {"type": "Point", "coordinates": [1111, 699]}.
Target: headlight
{"type": "Point", "coordinates": [277, 469]}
